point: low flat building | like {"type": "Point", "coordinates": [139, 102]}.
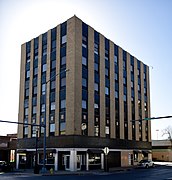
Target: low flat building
{"type": "Point", "coordinates": [88, 89]}
{"type": "Point", "coordinates": [8, 145]}
{"type": "Point", "coordinates": [162, 150]}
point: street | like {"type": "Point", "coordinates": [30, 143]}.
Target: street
{"type": "Point", "coordinates": [159, 172]}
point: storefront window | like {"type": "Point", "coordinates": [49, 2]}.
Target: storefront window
{"type": "Point", "coordinates": [95, 159]}
{"type": "Point", "coordinates": [135, 156]}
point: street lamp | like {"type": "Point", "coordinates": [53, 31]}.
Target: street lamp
{"type": "Point", "coordinates": [36, 169]}
{"type": "Point", "coordinates": [157, 133]}
{"type": "Point", "coordinates": [44, 157]}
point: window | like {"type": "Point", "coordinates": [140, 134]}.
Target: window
{"type": "Point", "coordinates": [84, 116]}
{"type": "Point", "coordinates": [27, 84]}
{"type": "Point", "coordinates": [43, 78]}
{"type": "Point", "coordinates": [106, 58]}
{"type": "Point", "coordinates": [35, 81]}
{"type": "Point", "coordinates": [64, 39]}
{"type": "Point", "coordinates": [124, 80]}
{"type": "Point", "coordinates": [53, 84]}
{"type": "Point", "coordinates": [84, 104]}
{"type": "Point", "coordinates": [27, 92]}
{"type": "Point", "coordinates": [35, 90]}
{"type": "Point", "coordinates": [107, 129]}
{"type": "Point", "coordinates": [116, 76]}
{"type": "Point", "coordinates": [106, 90]}
{"type": "Point", "coordinates": [116, 60]}
{"type": "Point", "coordinates": [63, 51]}
{"type": "Point", "coordinates": [96, 66]}
{"type": "Point", "coordinates": [116, 94]}
{"type": "Point", "coordinates": [34, 110]}
{"type": "Point", "coordinates": [44, 49]}
{"type": "Point", "coordinates": [34, 101]}
{"type": "Point", "coordinates": [84, 94]}
{"type": "Point", "coordinates": [44, 67]}
{"type": "Point", "coordinates": [63, 103]}
{"type": "Point", "coordinates": [63, 82]}
{"type": "Point", "coordinates": [27, 74]}
{"type": "Point", "coordinates": [63, 94]}
{"type": "Point", "coordinates": [52, 127]}
{"type": "Point", "coordinates": [28, 57]}
{"type": "Point", "coordinates": [62, 116]}
{"type": "Point", "coordinates": [35, 71]}
{"type": "Point", "coordinates": [62, 128]}
{"type": "Point", "coordinates": [96, 106]}
{"type": "Point", "coordinates": [26, 111]}
{"type": "Point", "coordinates": [96, 48]}
{"type": "Point", "coordinates": [25, 130]}
{"type": "Point", "coordinates": [84, 82]}
{"type": "Point", "coordinates": [43, 88]}
{"type": "Point", "coordinates": [26, 103]}
{"type": "Point", "coordinates": [144, 76]}
{"type": "Point", "coordinates": [84, 60]}
{"type": "Point", "coordinates": [84, 72]}
{"type": "Point", "coordinates": [132, 84]}
{"type": "Point", "coordinates": [53, 45]}
{"type": "Point", "coordinates": [125, 97]}
{"type": "Point", "coordinates": [53, 106]}
{"type": "Point", "coordinates": [139, 87]}
{"type": "Point", "coordinates": [124, 65]}
{"type": "Point", "coordinates": [96, 130]}
{"type": "Point", "coordinates": [52, 96]}
{"type": "Point", "coordinates": [96, 87]}
{"type": "Point", "coordinates": [132, 69]}
{"type": "Point", "coordinates": [52, 118]}
{"type": "Point", "coordinates": [63, 60]}
{"type": "Point", "coordinates": [43, 108]}
{"type": "Point", "coordinates": [106, 72]}
{"type": "Point", "coordinates": [97, 119]}
{"type": "Point", "coordinates": [53, 64]}
{"type": "Point", "coordinates": [84, 45]}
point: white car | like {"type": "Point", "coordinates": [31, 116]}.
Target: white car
{"type": "Point", "coordinates": [146, 163]}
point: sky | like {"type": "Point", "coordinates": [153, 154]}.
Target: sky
{"type": "Point", "coordinates": [143, 28]}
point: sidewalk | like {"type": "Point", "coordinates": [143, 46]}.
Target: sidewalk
{"type": "Point", "coordinates": [163, 163]}
{"type": "Point", "coordinates": [79, 173]}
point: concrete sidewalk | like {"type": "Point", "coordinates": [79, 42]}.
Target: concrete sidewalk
{"type": "Point", "coordinates": [80, 173]}
{"type": "Point", "coordinates": [163, 163]}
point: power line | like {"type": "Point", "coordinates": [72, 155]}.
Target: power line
{"type": "Point", "coordinates": [27, 124]}
{"type": "Point", "coordinates": [153, 118]}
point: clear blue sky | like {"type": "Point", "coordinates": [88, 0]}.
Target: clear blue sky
{"type": "Point", "coordinates": [143, 28]}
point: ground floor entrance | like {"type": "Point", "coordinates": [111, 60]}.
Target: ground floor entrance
{"type": "Point", "coordinates": [77, 159]}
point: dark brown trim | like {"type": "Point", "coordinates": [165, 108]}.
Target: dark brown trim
{"type": "Point", "coordinates": [83, 142]}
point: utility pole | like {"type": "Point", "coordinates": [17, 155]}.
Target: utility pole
{"type": "Point", "coordinates": [157, 133]}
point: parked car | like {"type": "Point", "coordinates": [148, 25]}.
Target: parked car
{"type": "Point", "coordinates": [5, 167]}
{"type": "Point", "coordinates": [146, 163]}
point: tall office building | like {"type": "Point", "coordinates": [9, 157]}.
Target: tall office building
{"type": "Point", "coordinates": [90, 89]}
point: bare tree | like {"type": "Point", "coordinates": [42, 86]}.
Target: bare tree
{"type": "Point", "coordinates": [167, 131]}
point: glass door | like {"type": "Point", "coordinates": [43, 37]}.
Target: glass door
{"type": "Point", "coordinates": [67, 162]}
{"type": "Point", "coordinates": [78, 162]}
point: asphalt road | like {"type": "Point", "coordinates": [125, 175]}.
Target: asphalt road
{"type": "Point", "coordinates": [158, 173]}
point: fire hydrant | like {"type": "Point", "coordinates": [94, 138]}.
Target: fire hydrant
{"type": "Point", "coordinates": [51, 171]}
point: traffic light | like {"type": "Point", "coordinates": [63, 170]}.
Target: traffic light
{"type": "Point", "coordinates": [147, 119]}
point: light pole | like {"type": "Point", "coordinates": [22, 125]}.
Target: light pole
{"type": "Point", "coordinates": [44, 157]}
{"type": "Point", "coordinates": [36, 169]}
{"type": "Point", "coordinates": [157, 133]}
